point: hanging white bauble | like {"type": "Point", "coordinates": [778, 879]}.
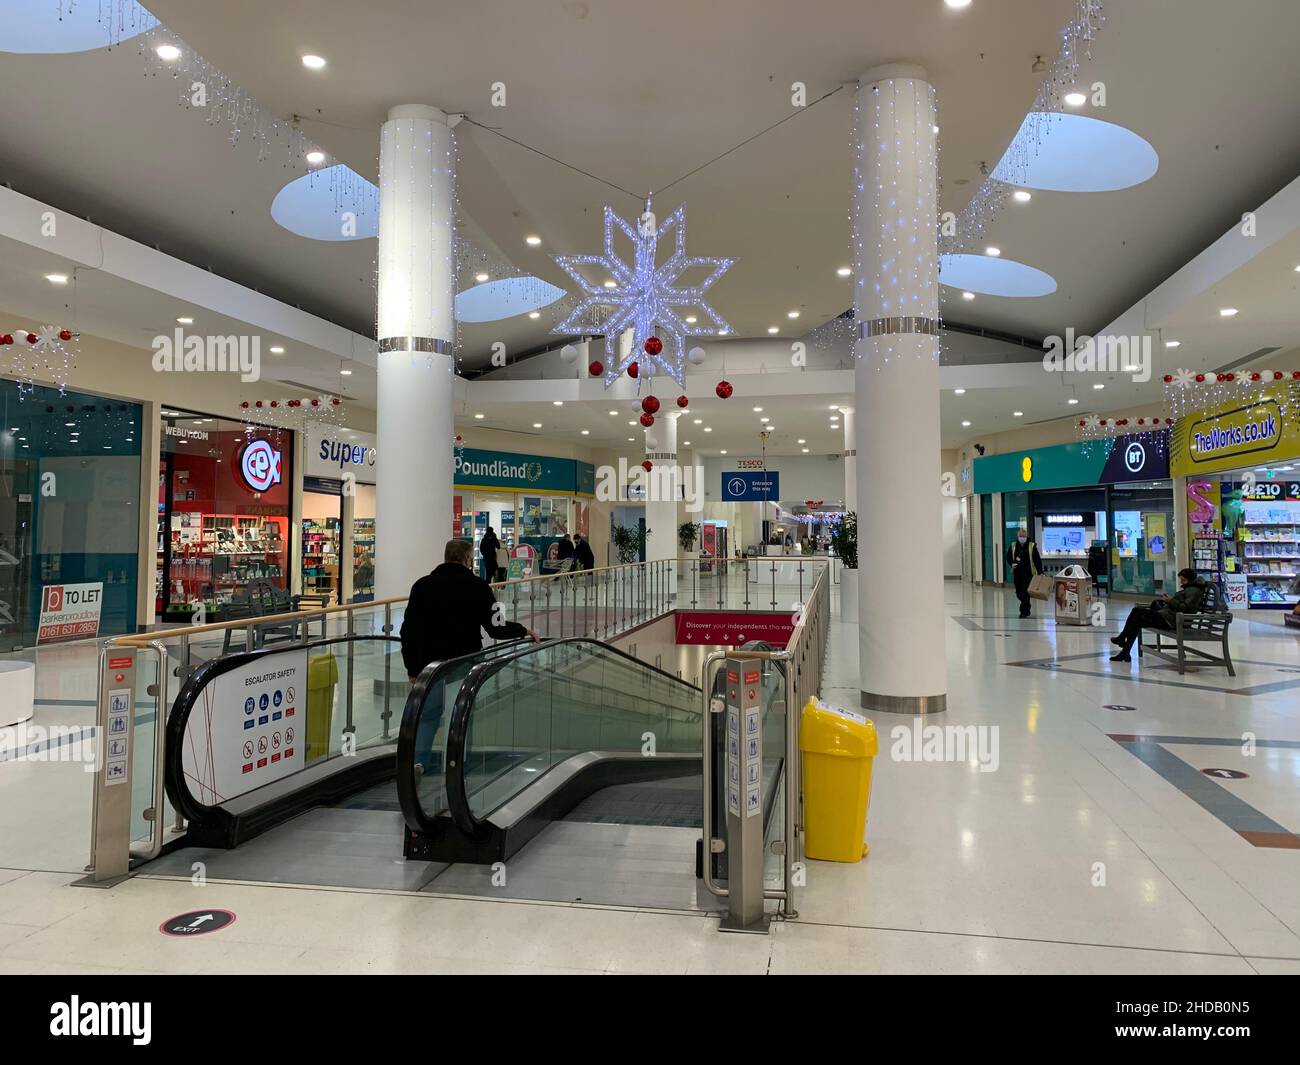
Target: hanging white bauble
{"type": "Point", "coordinates": [568, 353]}
{"type": "Point", "coordinates": [695, 356]}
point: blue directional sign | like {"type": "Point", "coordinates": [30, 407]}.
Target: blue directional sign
{"type": "Point", "coordinates": [751, 486]}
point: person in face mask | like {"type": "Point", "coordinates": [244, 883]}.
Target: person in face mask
{"type": "Point", "coordinates": [1025, 563]}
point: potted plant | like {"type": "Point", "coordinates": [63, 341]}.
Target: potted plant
{"type": "Point", "coordinates": [844, 542]}
{"type": "Point", "coordinates": [629, 543]}
{"type": "Point", "coordinates": [687, 533]}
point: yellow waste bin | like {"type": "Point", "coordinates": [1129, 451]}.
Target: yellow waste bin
{"type": "Point", "coordinates": [322, 676]}
{"type": "Point", "coordinates": [838, 746]}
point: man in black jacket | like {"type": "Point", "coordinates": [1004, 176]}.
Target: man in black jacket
{"type": "Point", "coordinates": [1026, 563]}
{"type": "Point", "coordinates": [487, 547]}
{"type": "Point", "coordinates": [447, 609]}
{"type": "Point", "coordinates": [582, 552]}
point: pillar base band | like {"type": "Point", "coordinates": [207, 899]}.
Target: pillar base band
{"type": "Point", "coordinates": [879, 327]}
{"type": "Point", "coordinates": [904, 704]}
{"type": "Point", "coordinates": [429, 344]}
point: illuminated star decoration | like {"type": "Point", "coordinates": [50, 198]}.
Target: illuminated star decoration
{"type": "Point", "coordinates": [646, 296]}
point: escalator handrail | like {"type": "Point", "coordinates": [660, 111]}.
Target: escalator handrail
{"type": "Point", "coordinates": [458, 730]}
{"type": "Point", "coordinates": [408, 790]}
{"type": "Point", "coordinates": [174, 774]}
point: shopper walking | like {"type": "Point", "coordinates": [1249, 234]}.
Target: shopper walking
{"type": "Point", "coordinates": [1026, 563]}
{"type": "Point", "coordinates": [582, 553]}
{"type": "Point", "coordinates": [446, 611]}
{"type": "Point", "coordinates": [487, 547]}
{"type": "Point", "coordinates": [565, 550]}
{"type": "Point", "coordinates": [1189, 599]}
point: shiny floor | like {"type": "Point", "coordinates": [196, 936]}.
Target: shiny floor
{"type": "Point", "coordinates": [1113, 836]}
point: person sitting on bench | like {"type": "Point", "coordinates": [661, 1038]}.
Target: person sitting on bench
{"type": "Point", "coordinates": [1160, 614]}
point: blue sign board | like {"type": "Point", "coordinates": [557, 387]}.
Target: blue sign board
{"type": "Point", "coordinates": [751, 486]}
{"type": "Point", "coordinates": [530, 473]}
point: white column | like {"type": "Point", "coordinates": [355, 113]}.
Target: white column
{"type": "Point", "coordinates": [663, 488]}
{"type": "Point", "coordinates": [900, 539]}
{"type": "Point", "coordinates": [850, 461]}
{"type": "Point", "coordinates": [413, 505]}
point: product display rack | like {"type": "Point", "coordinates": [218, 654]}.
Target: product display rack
{"type": "Point", "coordinates": [363, 547]}
{"type": "Point", "coordinates": [320, 556]}
{"type": "Point", "coordinates": [1270, 557]}
{"type": "Point", "coordinates": [213, 554]}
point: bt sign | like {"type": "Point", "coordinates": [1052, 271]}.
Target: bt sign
{"type": "Point", "coordinates": [260, 465]}
{"type": "Point", "coordinates": [1135, 457]}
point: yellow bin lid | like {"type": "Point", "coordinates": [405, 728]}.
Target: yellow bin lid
{"type": "Point", "coordinates": [826, 729]}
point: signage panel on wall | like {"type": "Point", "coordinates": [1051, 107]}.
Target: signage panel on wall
{"type": "Point", "coordinates": [1114, 460]}
{"type": "Point", "coordinates": [69, 612]}
{"type": "Point", "coordinates": [333, 451]}
{"type": "Point", "coordinates": [261, 465]}
{"type": "Point", "coordinates": [529, 473]}
{"type": "Point", "coordinates": [741, 486]}
{"type": "Point", "coordinates": [733, 628]}
{"type": "Point", "coordinates": [1239, 434]}
{"type": "Point", "coordinates": [248, 729]}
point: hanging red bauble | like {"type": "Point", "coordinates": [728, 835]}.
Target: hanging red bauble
{"type": "Point", "coordinates": [1168, 377]}
{"type": "Point", "coordinates": [724, 390]}
{"type": "Point", "coordinates": [32, 338]}
{"type": "Point", "coordinates": [596, 368]}
{"type": "Point", "coordinates": [682, 401]}
{"type": "Point", "coordinates": [653, 345]}
{"type": "Point", "coordinates": [647, 465]}
{"type": "Point", "coordinates": [244, 404]}
{"type": "Point", "coordinates": [650, 404]}
{"type": "Point", "coordinates": [1080, 423]}
{"type": "Point", "coordinates": [315, 402]}
{"type": "Point", "coordinates": [1200, 377]}
{"type": "Point", "coordinates": [259, 404]}
{"type": "Point", "coordinates": [336, 401]}
{"type": "Point", "coordinates": [1295, 375]}
{"type": "Point", "coordinates": [1277, 375]}
{"type": "Point", "coordinates": [647, 420]}
{"type": "Point", "coordinates": [1155, 421]}
{"type": "Point", "coordinates": [1142, 421]}
{"type": "Point", "coordinates": [633, 369]}
{"type": "Point", "coordinates": [65, 335]}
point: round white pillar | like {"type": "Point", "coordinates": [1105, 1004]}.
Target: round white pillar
{"type": "Point", "coordinates": [662, 488]}
{"type": "Point", "coordinates": [416, 373]}
{"type": "Point", "coordinates": [850, 462]}
{"type": "Point", "coordinates": [896, 296]}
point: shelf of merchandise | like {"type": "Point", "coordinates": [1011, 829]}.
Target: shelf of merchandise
{"type": "Point", "coordinates": [1284, 533]}
{"type": "Point", "coordinates": [248, 547]}
{"type": "Point", "coordinates": [320, 556]}
{"type": "Point", "coordinates": [363, 544]}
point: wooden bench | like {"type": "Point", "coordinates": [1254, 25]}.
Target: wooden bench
{"type": "Point", "coordinates": [1210, 625]}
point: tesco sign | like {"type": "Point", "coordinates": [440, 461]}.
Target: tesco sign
{"type": "Point", "coordinates": [261, 465]}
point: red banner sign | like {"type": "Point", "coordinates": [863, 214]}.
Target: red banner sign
{"type": "Point", "coordinates": [733, 627]}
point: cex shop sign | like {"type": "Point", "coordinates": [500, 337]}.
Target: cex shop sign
{"type": "Point", "coordinates": [69, 612]}
{"type": "Point", "coordinates": [260, 465]}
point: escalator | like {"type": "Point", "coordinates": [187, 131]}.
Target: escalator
{"type": "Point", "coordinates": [532, 736]}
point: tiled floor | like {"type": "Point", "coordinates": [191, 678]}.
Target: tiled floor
{"type": "Point", "coordinates": [1075, 855]}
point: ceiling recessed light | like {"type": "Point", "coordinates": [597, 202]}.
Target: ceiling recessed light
{"type": "Point", "coordinates": [965, 425]}
{"type": "Point", "coordinates": [1227, 312]}
{"type": "Point", "coordinates": [844, 271]}
{"type": "Point", "coordinates": [277, 350]}
{"type": "Point", "coordinates": [480, 417]}
{"type": "Point", "coordinates": [611, 283]}
{"type": "Point", "coordinates": [57, 279]}
{"type": "Point", "coordinates": [959, 391]}
{"type": "Point", "coordinates": [803, 441]}
{"type": "Point", "coordinates": [481, 277]}
{"type": "Point", "coordinates": [691, 319]}
{"type": "Point", "coordinates": [1017, 414]}
{"type": "Point", "coordinates": [167, 52]}
{"type": "Point", "coordinates": [537, 425]}
{"type": "Point", "coordinates": [686, 443]}
{"type": "Point", "coordinates": [631, 423]}
{"type": "Point", "coordinates": [557, 403]}
{"type": "Point", "coordinates": [1098, 388]}
{"type": "Point", "coordinates": [792, 314]}
{"type": "Point", "coordinates": [721, 452]}
{"type": "Point", "coordinates": [534, 314]}
{"type": "Point", "coordinates": [765, 419]}
{"type": "Point", "coordinates": [804, 450]}
{"type": "Point", "coordinates": [586, 432]}
{"type": "Point", "coordinates": [968, 295]}
{"type": "Point", "coordinates": [186, 321]}
{"type": "Point", "coordinates": [315, 156]}
{"type": "Point", "coordinates": [346, 373]}
{"type": "Point", "coordinates": [708, 429]}
{"type": "Point", "coordinates": [313, 62]}
{"type": "Point", "coordinates": [772, 329]}
{"type": "Point", "coordinates": [758, 410]}
{"type": "Point", "coordinates": [532, 240]}
{"type": "Point", "coordinates": [1072, 402]}
{"type": "Point", "coordinates": [631, 439]}
{"type": "Point", "coordinates": [995, 252]}
{"type": "Point", "coordinates": [1075, 99]}
{"type": "Point", "coordinates": [957, 5]}
{"type": "Point", "coordinates": [699, 421]}
{"type": "Point", "coordinates": [1173, 343]}
{"type": "Point", "coordinates": [1022, 196]}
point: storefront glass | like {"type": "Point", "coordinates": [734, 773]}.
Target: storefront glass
{"type": "Point", "coordinates": [224, 509]}
{"type": "Point", "coordinates": [322, 527]}
{"type": "Point", "coordinates": [1015, 516]}
{"type": "Point", "coordinates": [363, 544]}
{"type": "Point", "coordinates": [69, 515]}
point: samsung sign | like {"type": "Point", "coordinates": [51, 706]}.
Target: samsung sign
{"type": "Point", "coordinates": [336, 453]}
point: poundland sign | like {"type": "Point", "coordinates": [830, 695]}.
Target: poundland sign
{"type": "Point", "coordinates": [524, 473]}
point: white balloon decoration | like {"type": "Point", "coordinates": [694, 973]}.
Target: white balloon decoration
{"type": "Point", "coordinates": [568, 353]}
{"type": "Point", "coordinates": [695, 356]}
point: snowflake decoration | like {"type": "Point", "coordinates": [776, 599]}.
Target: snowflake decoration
{"type": "Point", "coordinates": [1092, 423]}
{"type": "Point", "coordinates": [1184, 378]}
{"type": "Point", "coordinates": [646, 296]}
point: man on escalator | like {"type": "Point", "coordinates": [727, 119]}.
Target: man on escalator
{"type": "Point", "coordinates": [448, 608]}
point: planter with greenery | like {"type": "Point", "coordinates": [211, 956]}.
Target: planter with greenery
{"type": "Point", "coordinates": [844, 540]}
{"type": "Point", "coordinates": [687, 533]}
{"type": "Point", "coordinates": [629, 543]}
